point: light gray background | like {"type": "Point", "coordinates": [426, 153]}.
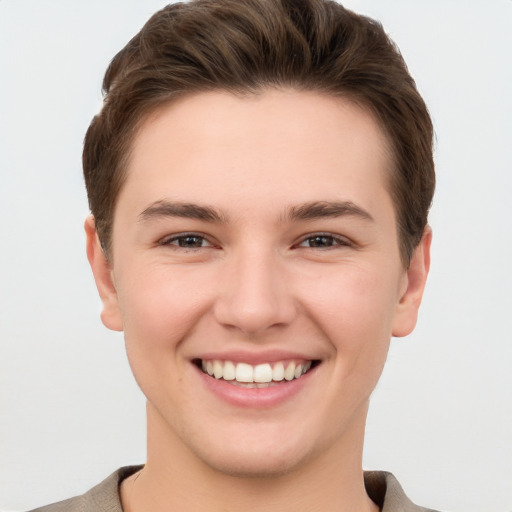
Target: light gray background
{"type": "Point", "coordinates": [441, 418]}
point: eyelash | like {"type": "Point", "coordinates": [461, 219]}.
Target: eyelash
{"type": "Point", "coordinates": [336, 241]}
{"type": "Point", "coordinates": [332, 241]}
{"type": "Point", "coordinates": [182, 236]}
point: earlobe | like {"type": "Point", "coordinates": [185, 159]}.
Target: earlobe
{"type": "Point", "coordinates": [408, 306]}
{"type": "Point", "coordinates": [101, 269]}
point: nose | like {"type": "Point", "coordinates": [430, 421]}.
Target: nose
{"type": "Point", "coordinates": [254, 295]}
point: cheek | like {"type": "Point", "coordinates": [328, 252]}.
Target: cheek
{"type": "Point", "coordinates": [354, 308]}
{"type": "Point", "coordinates": [354, 304]}
{"type": "Point", "coordinates": [161, 306]}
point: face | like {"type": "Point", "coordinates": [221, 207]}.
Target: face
{"type": "Point", "coordinates": [256, 274]}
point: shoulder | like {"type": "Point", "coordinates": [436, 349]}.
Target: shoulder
{"type": "Point", "coordinates": [104, 497]}
{"type": "Point", "coordinates": [384, 489]}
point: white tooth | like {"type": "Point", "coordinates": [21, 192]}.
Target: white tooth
{"type": "Point", "coordinates": [229, 371]}
{"type": "Point", "coordinates": [307, 366]}
{"type": "Point", "coordinates": [249, 385]}
{"type": "Point", "coordinates": [217, 369]}
{"type": "Point", "coordinates": [244, 372]}
{"type": "Point", "coordinates": [209, 367]}
{"type": "Point", "coordinates": [278, 372]}
{"type": "Point", "coordinates": [298, 371]}
{"type": "Point", "coordinates": [262, 373]}
{"type": "Point", "coordinates": [203, 365]}
{"type": "Point", "coordinates": [289, 373]}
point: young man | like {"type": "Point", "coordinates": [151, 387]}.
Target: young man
{"type": "Point", "coordinates": [259, 180]}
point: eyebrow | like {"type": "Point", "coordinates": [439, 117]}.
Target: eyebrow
{"type": "Point", "coordinates": [308, 211]}
{"type": "Point", "coordinates": [322, 209]}
{"type": "Point", "coordinates": [186, 210]}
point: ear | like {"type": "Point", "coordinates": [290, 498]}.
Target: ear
{"type": "Point", "coordinates": [102, 271]}
{"type": "Point", "coordinates": [416, 276]}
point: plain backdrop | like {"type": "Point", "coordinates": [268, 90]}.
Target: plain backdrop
{"type": "Point", "coordinates": [70, 413]}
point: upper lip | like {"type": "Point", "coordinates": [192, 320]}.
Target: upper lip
{"type": "Point", "coordinates": [253, 358]}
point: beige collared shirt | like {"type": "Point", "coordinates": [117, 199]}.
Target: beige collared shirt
{"type": "Point", "coordinates": [383, 488]}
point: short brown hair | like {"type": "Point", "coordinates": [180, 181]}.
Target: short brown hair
{"type": "Point", "coordinates": [244, 46]}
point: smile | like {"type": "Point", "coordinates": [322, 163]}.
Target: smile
{"type": "Point", "coordinates": [260, 375]}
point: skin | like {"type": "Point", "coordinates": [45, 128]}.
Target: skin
{"type": "Point", "coordinates": [261, 279]}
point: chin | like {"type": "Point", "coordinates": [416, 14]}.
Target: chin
{"type": "Point", "coordinates": [259, 452]}
{"type": "Point", "coordinates": [251, 464]}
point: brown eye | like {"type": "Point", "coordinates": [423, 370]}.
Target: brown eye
{"type": "Point", "coordinates": [322, 241]}
{"type": "Point", "coordinates": [190, 241]}
{"type": "Point", "coordinates": [186, 241]}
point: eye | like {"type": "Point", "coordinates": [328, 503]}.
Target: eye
{"type": "Point", "coordinates": [323, 241]}
{"type": "Point", "coordinates": [186, 241]}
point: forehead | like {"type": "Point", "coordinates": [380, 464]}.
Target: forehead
{"type": "Point", "coordinates": [285, 145]}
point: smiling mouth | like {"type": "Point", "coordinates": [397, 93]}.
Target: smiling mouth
{"type": "Point", "coordinates": [255, 376]}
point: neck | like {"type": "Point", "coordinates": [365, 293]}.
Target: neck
{"type": "Point", "coordinates": [176, 479]}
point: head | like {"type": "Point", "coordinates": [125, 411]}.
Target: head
{"type": "Point", "coordinates": [244, 48]}
{"type": "Point", "coordinates": [260, 177]}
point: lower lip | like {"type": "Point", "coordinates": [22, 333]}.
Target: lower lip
{"type": "Point", "coordinates": [271, 396]}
